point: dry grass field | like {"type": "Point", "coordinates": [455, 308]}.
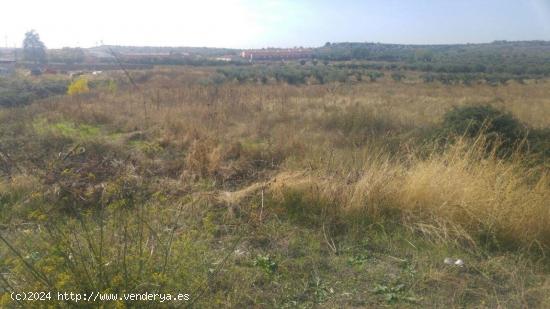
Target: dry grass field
{"type": "Point", "coordinates": [338, 195]}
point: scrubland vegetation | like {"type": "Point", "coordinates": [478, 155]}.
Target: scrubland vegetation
{"type": "Point", "coordinates": [243, 193]}
{"type": "Point", "coordinates": [517, 58]}
{"type": "Point", "coordinates": [20, 91]}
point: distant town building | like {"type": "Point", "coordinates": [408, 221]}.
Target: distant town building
{"type": "Point", "coordinates": [178, 53]}
{"type": "Point", "coordinates": [36, 71]}
{"type": "Point", "coordinates": [7, 66]}
{"type": "Point", "coordinates": [224, 58]}
{"type": "Point", "coordinates": [277, 54]}
{"type": "Point", "coordinates": [135, 56]}
{"type": "Point", "coordinates": [99, 53]}
{"type": "Point", "coordinates": [49, 71]}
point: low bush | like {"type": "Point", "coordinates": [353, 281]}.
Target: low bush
{"type": "Point", "coordinates": [472, 121]}
{"type": "Point", "coordinates": [14, 92]}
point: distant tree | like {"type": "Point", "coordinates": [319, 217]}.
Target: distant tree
{"type": "Point", "coordinates": [302, 62]}
{"type": "Point", "coordinates": [423, 55]}
{"type": "Point", "coordinates": [33, 48]}
{"type": "Point", "coordinates": [428, 78]}
{"type": "Point", "coordinates": [374, 75]}
{"type": "Point", "coordinates": [396, 76]}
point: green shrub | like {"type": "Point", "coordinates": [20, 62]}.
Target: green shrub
{"type": "Point", "coordinates": [397, 76]}
{"type": "Point", "coordinates": [14, 92]}
{"type": "Point", "coordinates": [474, 120]}
{"type": "Point", "coordinates": [374, 75]}
{"type": "Point", "coordinates": [539, 142]}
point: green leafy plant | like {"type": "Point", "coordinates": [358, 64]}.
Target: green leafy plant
{"type": "Point", "coordinates": [394, 293]}
{"type": "Point", "coordinates": [266, 263]}
{"type": "Point", "coordinates": [357, 259]}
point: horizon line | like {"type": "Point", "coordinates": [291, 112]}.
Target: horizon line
{"type": "Point", "coordinates": [302, 46]}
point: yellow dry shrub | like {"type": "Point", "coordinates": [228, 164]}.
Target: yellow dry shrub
{"type": "Point", "coordinates": [204, 157]}
{"type": "Point", "coordinates": [78, 86]}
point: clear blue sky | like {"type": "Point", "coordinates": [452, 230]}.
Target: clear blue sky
{"type": "Point", "coordinates": [410, 21]}
{"type": "Point", "coordinates": [285, 23]}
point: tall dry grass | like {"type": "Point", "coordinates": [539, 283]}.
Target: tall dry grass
{"type": "Point", "coordinates": [143, 204]}
{"type": "Point", "coordinates": [462, 195]}
{"type": "Point", "coordinates": [338, 135]}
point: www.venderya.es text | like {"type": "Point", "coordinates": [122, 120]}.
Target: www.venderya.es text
{"type": "Point", "coordinates": [98, 297]}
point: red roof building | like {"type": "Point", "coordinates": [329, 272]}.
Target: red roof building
{"type": "Point", "coordinates": [277, 54]}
